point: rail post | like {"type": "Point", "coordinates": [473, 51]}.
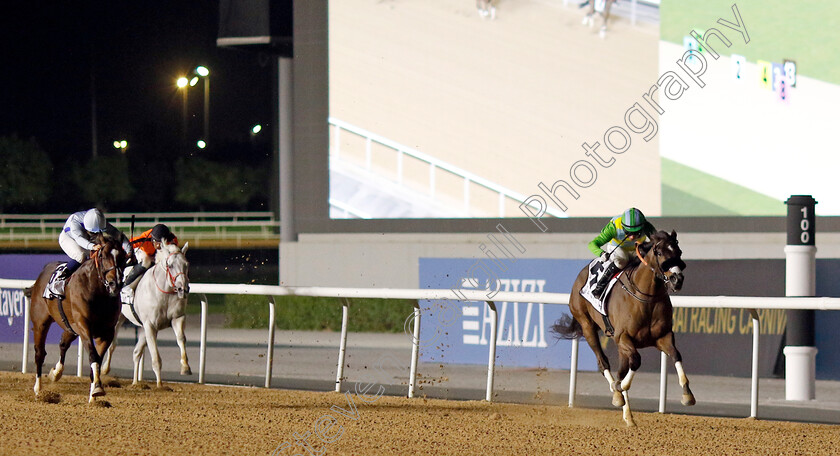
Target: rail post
{"type": "Point", "coordinates": [27, 305]}
{"type": "Point", "coordinates": [573, 372]}
{"type": "Point", "coordinates": [491, 361]}
{"type": "Point", "coordinates": [663, 381]}
{"type": "Point", "coordinates": [754, 378]}
{"type": "Point", "coordinates": [202, 350]}
{"type": "Point", "coordinates": [415, 350]}
{"type": "Point", "coordinates": [269, 362]}
{"type": "Point", "coordinates": [342, 348]}
{"type": "Point", "coordinates": [79, 357]}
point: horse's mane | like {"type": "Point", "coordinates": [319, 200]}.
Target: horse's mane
{"type": "Point", "coordinates": [645, 247]}
{"type": "Point", "coordinates": [108, 244]}
{"type": "Point", "coordinates": [164, 251]}
{"type": "Point", "coordinates": [105, 239]}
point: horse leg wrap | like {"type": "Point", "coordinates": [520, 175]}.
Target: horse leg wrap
{"type": "Point", "coordinates": [96, 385]}
{"type": "Point", "coordinates": [56, 372]}
{"type": "Point", "coordinates": [615, 387]}
{"type": "Point", "coordinates": [687, 396]}
{"type": "Point", "coordinates": [627, 380]}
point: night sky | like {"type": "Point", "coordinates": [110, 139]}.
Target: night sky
{"type": "Point", "coordinates": [136, 51]}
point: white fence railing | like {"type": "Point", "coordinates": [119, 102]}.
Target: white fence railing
{"type": "Point", "coordinates": [730, 302]}
{"type": "Point", "coordinates": [434, 165]}
{"type": "Point", "coordinates": [200, 225]}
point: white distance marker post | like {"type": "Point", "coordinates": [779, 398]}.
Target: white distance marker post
{"type": "Point", "coordinates": [800, 280]}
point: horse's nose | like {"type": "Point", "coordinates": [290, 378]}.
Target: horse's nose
{"type": "Point", "coordinates": [677, 281]}
{"type": "Point", "coordinates": [181, 291]}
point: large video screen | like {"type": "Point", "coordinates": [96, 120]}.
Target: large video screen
{"type": "Point", "coordinates": [439, 109]}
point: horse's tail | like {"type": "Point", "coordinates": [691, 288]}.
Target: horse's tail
{"type": "Point", "coordinates": [566, 327]}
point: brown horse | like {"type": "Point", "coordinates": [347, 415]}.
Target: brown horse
{"type": "Point", "coordinates": [640, 311]}
{"type": "Point", "coordinates": [91, 307]}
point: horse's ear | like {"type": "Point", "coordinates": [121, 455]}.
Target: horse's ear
{"type": "Point", "coordinates": [674, 234]}
{"type": "Point", "coordinates": [185, 247]}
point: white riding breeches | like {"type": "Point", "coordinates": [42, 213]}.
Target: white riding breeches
{"type": "Point", "coordinates": [71, 248]}
{"type": "Point", "coordinates": [618, 256]}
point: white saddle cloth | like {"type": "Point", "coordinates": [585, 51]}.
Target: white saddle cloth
{"type": "Point", "coordinates": [596, 268]}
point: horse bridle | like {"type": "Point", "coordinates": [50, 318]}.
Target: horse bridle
{"type": "Point", "coordinates": [658, 274]}
{"type": "Point", "coordinates": [657, 271]}
{"type": "Point", "coordinates": [169, 275]}
{"type": "Point", "coordinates": [101, 273]}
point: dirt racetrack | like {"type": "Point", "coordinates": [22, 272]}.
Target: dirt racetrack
{"type": "Point", "coordinates": [194, 419]}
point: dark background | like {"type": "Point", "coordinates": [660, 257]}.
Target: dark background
{"type": "Point", "coordinates": [57, 57]}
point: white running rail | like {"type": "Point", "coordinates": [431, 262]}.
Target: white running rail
{"type": "Point", "coordinates": [199, 225]}
{"type": "Point", "coordinates": [435, 165]}
{"type": "Point", "coordinates": [726, 302]}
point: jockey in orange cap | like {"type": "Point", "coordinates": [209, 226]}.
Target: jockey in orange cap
{"type": "Point", "coordinates": [146, 245]}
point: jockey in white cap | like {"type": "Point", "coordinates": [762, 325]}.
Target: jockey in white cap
{"type": "Point", "coordinates": [76, 238]}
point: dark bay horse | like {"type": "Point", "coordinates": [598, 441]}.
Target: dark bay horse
{"type": "Point", "coordinates": [640, 311]}
{"type": "Point", "coordinates": [91, 306]}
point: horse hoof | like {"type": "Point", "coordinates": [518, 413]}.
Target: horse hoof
{"type": "Point", "coordinates": [602, 33]}
{"type": "Point", "coordinates": [54, 375]}
{"type": "Point", "coordinates": [186, 371]}
{"type": "Point", "coordinates": [618, 400]}
{"type": "Point", "coordinates": [688, 400]}
{"type": "Point", "coordinates": [97, 391]}
{"type": "Point", "coordinates": [630, 423]}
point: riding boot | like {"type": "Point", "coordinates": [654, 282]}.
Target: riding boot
{"type": "Point", "coordinates": [604, 280]}
{"type": "Point", "coordinates": [58, 280]}
{"type": "Point", "coordinates": [70, 268]}
{"type": "Point", "coordinates": [134, 274]}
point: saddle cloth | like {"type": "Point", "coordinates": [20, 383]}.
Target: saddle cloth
{"type": "Point", "coordinates": [55, 286]}
{"type": "Point", "coordinates": [596, 268]}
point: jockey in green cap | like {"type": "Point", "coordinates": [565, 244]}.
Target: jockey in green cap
{"type": "Point", "coordinates": [616, 243]}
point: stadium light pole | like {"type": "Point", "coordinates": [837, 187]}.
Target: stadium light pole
{"type": "Point", "coordinates": [182, 86]}
{"type": "Point", "coordinates": [204, 73]}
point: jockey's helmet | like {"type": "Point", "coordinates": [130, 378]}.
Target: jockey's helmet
{"type": "Point", "coordinates": [94, 221]}
{"type": "Point", "coordinates": [633, 220]}
{"type": "Point", "coordinates": [161, 232]}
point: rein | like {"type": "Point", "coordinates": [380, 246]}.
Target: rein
{"type": "Point", "coordinates": [657, 273]}
{"type": "Point", "coordinates": [99, 270]}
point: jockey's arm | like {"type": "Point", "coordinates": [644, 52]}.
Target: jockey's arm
{"type": "Point", "coordinates": [606, 235]}
{"type": "Point", "coordinates": [79, 235]}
